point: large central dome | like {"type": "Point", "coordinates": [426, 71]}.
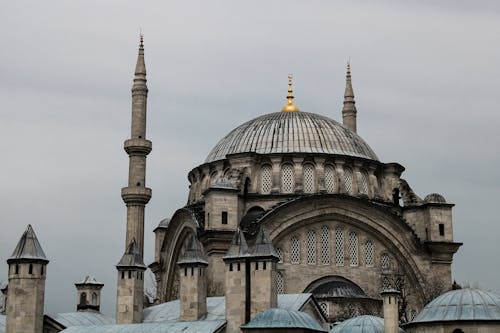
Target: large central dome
{"type": "Point", "coordinates": [291, 132]}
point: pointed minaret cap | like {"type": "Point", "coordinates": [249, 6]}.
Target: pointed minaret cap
{"type": "Point", "coordinates": [238, 248]}
{"type": "Point", "coordinates": [290, 106]}
{"type": "Point", "coordinates": [349, 109]}
{"type": "Point", "coordinates": [140, 67]}
{"type": "Point", "coordinates": [264, 248]}
{"type": "Point", "coordinates": [28, 248]}
{"type": "Point", "coordinates": [132, 257]}
{"type": "Point", "coordinates": [194, 254]}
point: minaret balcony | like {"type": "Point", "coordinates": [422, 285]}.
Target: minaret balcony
{"type": "Point", "coordinates": [136, 195]}
{"type": "Point", "coordinates": [137, 146]}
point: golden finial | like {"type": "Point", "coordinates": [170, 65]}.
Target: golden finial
{"type": "Point", "coordinates": [289, 106]}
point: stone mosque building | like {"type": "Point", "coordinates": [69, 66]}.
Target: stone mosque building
{"type": "Point", "coordinates": [292, 223]}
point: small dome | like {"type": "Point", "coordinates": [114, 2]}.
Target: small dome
{"type": "Point", "coordinates": [335, 286]}
{"type": "Point", "coordinates": [282, 318]}
{"type": "Point", "coordinates": [164, 223]}
{"type": "Point", "coordinates": [222, 183]}
{"type": "Point", "coordinates": [461, 304]}
{"type": "Point", "coordinates": [291, 132]}
{"type": "Point", "coordinates": [435, 198]}
{"type": "Point", "coordinates": [361, 324]}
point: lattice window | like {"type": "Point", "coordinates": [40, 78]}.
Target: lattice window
{"type": "Point", "coordinates": [385, 261]}
{"type": "Point", "coordinates": [280, 283]}
{"type": "Point", "coordinates": [265, 179]}
{"type": "Point", "coordinates": [413, 314]}
{"type": "Point", "coordinates": [287, 181]}
{"type": "Point", "coordinates": [308, 178]}
{"type": "Point", "coordinates": [279, 251]}
{"type": "Point", "coordinates": [325, 245]}
{"type": "Point", "coordinates": [348, 180]}
{"type": "Point", "coordinates": [330, 179]}
{"type": "Point", "coordinates": [339, 246]}
{"type": "Point", "coordinates": [386, 283]}
{"type": "Point", "coordinates": [353, 249]}
{"type": "Point", "coordinates": [399, 284]}
{"type": "Point", "coordinates": [294, 250]}
{"type": "Point", "coordinates": [324, 307]}
{"type": "Point", "coordinates": [364, 183]}
{"type": "Point", "coordinates": [369, 253]}
{"type": "Point", "coordinates": [354, 311]}
{"type": "Point", "coordinates": [311, 247]}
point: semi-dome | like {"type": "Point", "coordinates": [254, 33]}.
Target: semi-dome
{"type": "Point", "coordinates": [291, 132]}
{"type": "Point", "coordinates": [462, 304]}
{"type": "Point", "coordinates": [361, 324]}
{"type": "Point", "coordinates": [435, 198]}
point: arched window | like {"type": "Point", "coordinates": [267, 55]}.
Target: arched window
{"type": "Point", "coordinates": [353, 249]}
{"type": "Point", "coordinates": [83, 298]}
{"type": "Point", "coordinates": [311, 247]}
{"type": "Point", "coordinates": [330, 179]}
{"type": "Point", "coordinates": [457, 330]}
{"type": "Point", "coordinates": [348, 180]}
{"type": "Point", "coordinates": [280, 283]}
{"type": "Point", "coordinates": [279, 252]}
{"type": "Point", "coordinates": [294, 250]}
{"type": "Point", "coordinates": [385, 261]}
{"type": "Point", "coordinates": [363, 189]}
{"type": "Point", "coordinates": [265, 179]}
{"type": "Point", "coordinates": [369, 251]}
{"type": "Point", "coordinates": [325, 245]}
{"type": "Point", "coordinates": [324, 308]}
{"type": "Point", "coordinates": [287, 180]}
{"type": "Point", "coordinates": [308, 178]}
{"type": "Point", "coordinates": [94, 299]}
{"type": "Point", "coordinates": [386, 283]}
{"type": "Point", "coordinates": [339, 246]}
{"type": "Point", "coordinates": [413, 314]}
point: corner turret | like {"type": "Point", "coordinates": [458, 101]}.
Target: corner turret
{"type": "Point", "coordinates": [89, 294]}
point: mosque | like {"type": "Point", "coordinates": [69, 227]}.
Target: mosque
{"type": "Point", "coordinates": [292, 223]}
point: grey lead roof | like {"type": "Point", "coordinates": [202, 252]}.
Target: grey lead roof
{"type": "Point", "coordinates": [28, 247]}
{"type": "Point", "coordinates": [238, 247]}
{"type": "Point", "coordinates": [291, 132]}
{"type": "Point", "coordinates": [2, 323]}
{"type": "Point", "coordinates": [361, 324]}
{"type": "Point", "coordinates": [90, 280]}
{"type": "Point", "coordinates": [81, 319]}
{"type": "Point", "coordinates": [132, 257]}
{"type": "Point", "coordinates": [283, 318]}
{"type": "Point", "coordinates": [263, 247]}
{"type": "Point", "coordinates": [205, 326]}
{"type": "Point", "coordinates": [194, 253]}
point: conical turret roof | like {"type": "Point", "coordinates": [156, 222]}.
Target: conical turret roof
{"type": "Point", "coordinates": [238, 248]}
{"type": "Point", "coordinates": [194, 253]}
{"type": "Point", "coordinates": [28, 248]}
{"type": "Point", "coordinates": [132, 257]}
{"type": "Point", "coordinates": [264, 248]}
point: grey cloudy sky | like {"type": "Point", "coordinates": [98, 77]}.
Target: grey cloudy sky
{"type": "Point", "coordinates": [425, 74]}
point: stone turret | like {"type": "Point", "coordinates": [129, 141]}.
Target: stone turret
{"type": "Point", "coordinates": [237, 283]}
{"type": "Point", "coordinates": [263, 261]}
{"type": "Point", "coordinates": [130, 293]}
{"type": "Point", "coordinates": [193, 281]}
{"type": "Point", "coordinates": [349, 109]}
{"type": "Point", "coordinates": [136, 195]}
{"type": "Point", "coordinates": [26, 289]}
{"type": "Point", "coordinates": [391, 317]}
{"type": "Point", "coordinates": [88, 294]}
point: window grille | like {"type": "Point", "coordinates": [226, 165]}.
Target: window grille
{"type": "Point", "coordinates": [348, 180]}
{"type": "Point", "coordinates": [399, 284]}
{"type": "Point", "coordinates": [325, 245]}
{"type": "Point", "coordinates": [353, 249]}
{"type": "Point", "coordinates": [364, 183]}
{"type": "Point", "coordinates": [339, 246]}
{"type": "Point", "coordinates": [287, 181]}
{"type": "Point", "coordinates": [353, 311]}
{"type": "Point", "coordinates": [279, 252]}
{"type": "Point", "coordinates": [386, 283]}
{"type": "Point", "coordinates": [280, 283]}
{"type": "Point", "coordinates": [385, 261]}
{"type": "Point", "coordinates": [324, 308]}
{"type": "Point", "coordinates": [294, 250]}
{"type": "Point", "coordinates": [308, 178]}
{"type": "Point", "coordinates": [369, 251]}
{"type": "Point", "coordinates": [311, 247]}
{"type": "Point", "coordinates": [413, 314]}
{"type": "Point", "coordinates": [330, 182]}
{"type": "Point", "coordinates": [265, 179]}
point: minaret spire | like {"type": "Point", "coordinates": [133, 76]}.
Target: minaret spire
{"type": "Point", "coordinates": [136, 195]}
{"type": "Point", "coordinates": [349, 109]}
{"type": "Point", "coordinates": [289, 106]}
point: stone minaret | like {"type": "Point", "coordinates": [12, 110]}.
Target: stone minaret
{"type": "Point", "coordinates": [136, 195]}
{"type": "Point", "coordinates": [237, 283]}
{"type": "Point", "coordinates": [391, 317]}
{"type": "Point", "coordinates": [26, 290]}
{"type": "Point", "coordinates": [349, 109]}
{"type": "Point", "coordinates": [88, 293]}
{"type": "Point", "coordinates": [193, 282]}
{"type": "Point", "coordinates": [263, 259]}
{"type": "Point", "coordinates": [130, 293]}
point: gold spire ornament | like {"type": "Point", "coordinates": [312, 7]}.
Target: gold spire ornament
{"type": "Point", "coordinates": [290, 106]}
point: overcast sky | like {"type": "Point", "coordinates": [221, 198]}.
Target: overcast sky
{"type": "Point", "coordinates": [425, 75]}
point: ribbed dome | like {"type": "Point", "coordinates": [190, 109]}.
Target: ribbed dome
{"type": "Point", "coordinates": [361, 324]}
{"type": "Point", "coordinates": [291, 132]}
{"type": "Point", "coordinates": [462, 304]}
{"type": "Point", "coordinates": [282, 318]}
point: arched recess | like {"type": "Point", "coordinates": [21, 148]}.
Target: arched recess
{"type": "Point", "coordinates": [182, 225]}
{"type": "Point", "coordinates": [381, 224]}
{"type": "Point", "coordinates": [334, 281]}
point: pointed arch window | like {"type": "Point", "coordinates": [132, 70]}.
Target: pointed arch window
{"type": "Point", "coordinates": [369, 253]}
{"type": "Point", "coordinates": [385, 262]}
{"type": "Point", "coordinates": [348, 180]}
{"type": "Point", "coordinates": [279, 252]}
{"type": "Point", "coordinates": [83, 298]}
{"type": "Point", "coordinates": [330, 179]}
{"type": "Point", "coordinates": [94, 298]}
{"type": "Point", "coordinates": [287, 178]}
{"type": "Point", "coordinates": [311, 247]}
{"type": "Point", "coordinates": [265, 179]}
{"type": "Point", "coordinates": [280, 283]}
{"type": "Point", "coordinates": [309, 178]}
{"type": "Point", "coordinates": [294, 249]}
{"type": "Point", "coordinates": [339, 246]}
{"type": "Point", "coordinates": [363, 189]}
{"type": "Point", "coordinates": [353, 249]}
{"type": "Point", "coordinates": [325, 245]}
